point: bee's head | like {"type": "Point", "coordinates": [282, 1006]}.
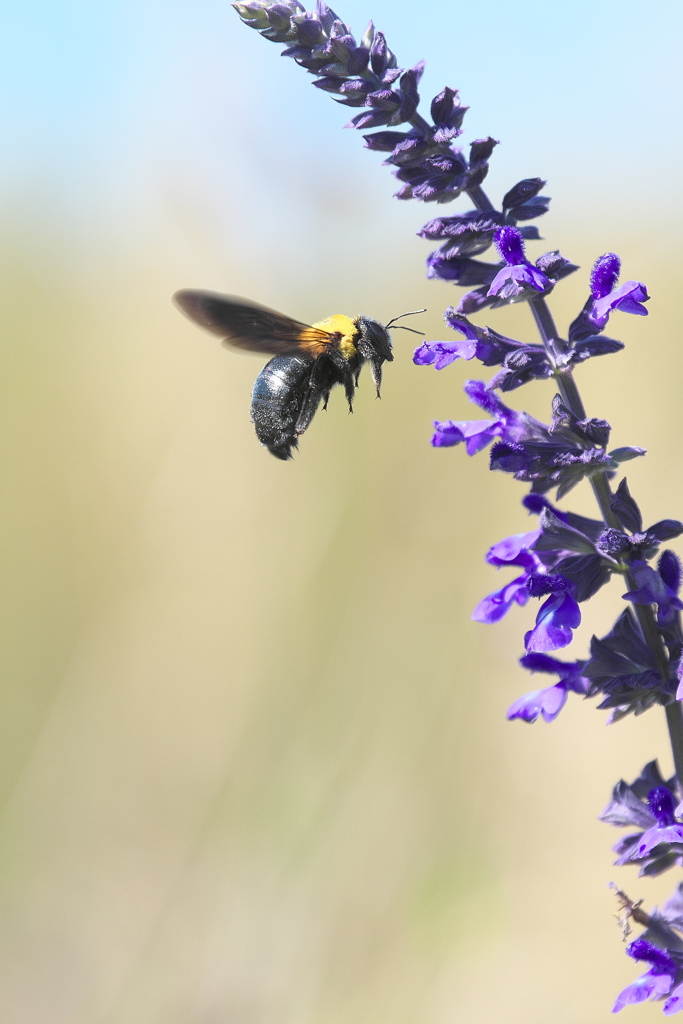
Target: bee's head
{"type": "Point", "coordinates": [374, 346]}
{"type": "Point", "coordinates": [374, 342]}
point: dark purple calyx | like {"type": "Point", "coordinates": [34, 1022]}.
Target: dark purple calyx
{"type": "Point", "coordinates": [539, 586]}
{"type": "Point", "coordinates": [510, 245]}
{"type": "Point", "coordinates": [661, 803]}
{"type": "Point", "coordinates": [605, 274]}
{"type": "Point", "coordinates": [641, 949]}
{"type": "Point", "coordinates": [669, 567]}
{"type": "Point", "coordinates": [613, 542]}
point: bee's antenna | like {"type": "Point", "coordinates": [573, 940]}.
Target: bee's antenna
{"type": "Point", "coordinates": [412, 312]}
{"type": "Point", "coordinates": [400, 327]}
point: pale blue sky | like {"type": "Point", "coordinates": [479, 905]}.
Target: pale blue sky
{"type": "Point", "coordinates": [112, 112]}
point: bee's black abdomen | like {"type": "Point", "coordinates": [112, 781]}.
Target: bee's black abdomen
{"type": "Point", "coordinates": [276, 401]}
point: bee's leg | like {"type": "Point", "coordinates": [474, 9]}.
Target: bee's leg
{"type": "Point", "coordinates": [376, 372]}
{"type": "Point", "coordinates": [308, 409]}
{"type": "Point", "coordinates": [343, 374]}
{"type": "Point", "coordinates": [315, 391]}
{"type": "Point", "coordinates": [350, 381]}
{"type": "Point", "coordinates": [375, 358]}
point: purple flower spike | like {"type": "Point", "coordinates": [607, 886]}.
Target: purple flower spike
{"type": "Point", "coordinates": [518, 275]}
{"type": "Point", "coordinates": [638, 664]}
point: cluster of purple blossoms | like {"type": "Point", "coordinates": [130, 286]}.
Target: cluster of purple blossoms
{"type": "Point", "coordinates": [365, 74]}
{"type": "Point", "coordinates": [567, 558]}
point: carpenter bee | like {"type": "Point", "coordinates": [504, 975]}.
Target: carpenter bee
{"type": "Point", "coordinates": [307, 363]}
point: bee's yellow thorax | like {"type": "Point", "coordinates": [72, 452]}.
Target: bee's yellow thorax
{"type": "Point", "coordinates": [344, 325]}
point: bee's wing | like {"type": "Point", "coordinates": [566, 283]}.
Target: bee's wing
{"type": "Point", "coordinates": [245, 324]}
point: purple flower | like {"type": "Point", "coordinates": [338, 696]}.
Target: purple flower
{"type": "Point", "coordinates": [438, 177]}
{"type": "Point", "coordinates": [442, 353]}
{"type": "Point", "coordinates": [447, 115]}
{"type": "Point", "coordinates": [518, 275]}
{"type": "Point", "coordinates": [517, 551]}
{"type": "Point", "coordinates": [520, 362]}
{"type": "Point", "coordinates": [493, 607]}
{"type": "Point", "coordinates": [648, 805]}
{"type": "Point", "coordinates": [628, 298]}
{"type": "Point", "coordinates": [467, 234]}
{"type": "Point", "coordinates": [661, 947]}
{"type": "Point", "coordinates": [623, 667]}
{"type": "Point", "coordinates": [629, 803]}
{"type": "Point", "coordinates": [652, 589]}
{"type": "Point", "coordinates": [559, 455]}
{"type": "Point", "coordinates": [669, 568]}
{"type": "Point", "coordinates": [605, 296]}
{"type": "Point", "coordinates": [675, 1001]}
{"type": "Point", "coordinates": [666, 829]}
{"type": "Point", "coordinates": [569, 545]}
{"type": "Point", "coordinates": [523, 202]}
{"type": "Point", "coordinates": [550, 701]}
{"type": "Point", "coordinates": [462, 270]}
{"type": "Point", "coordinates": [546, 463]}
{"type": "Point", "coordinates": [556, 618]}
{"type": "Point", "coordinates": [655, 983]}
{"type": "Point", "coordinates": [477, 434]}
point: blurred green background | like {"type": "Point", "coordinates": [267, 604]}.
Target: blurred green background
{"type": "Point", "coordinates": [255, 767]}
